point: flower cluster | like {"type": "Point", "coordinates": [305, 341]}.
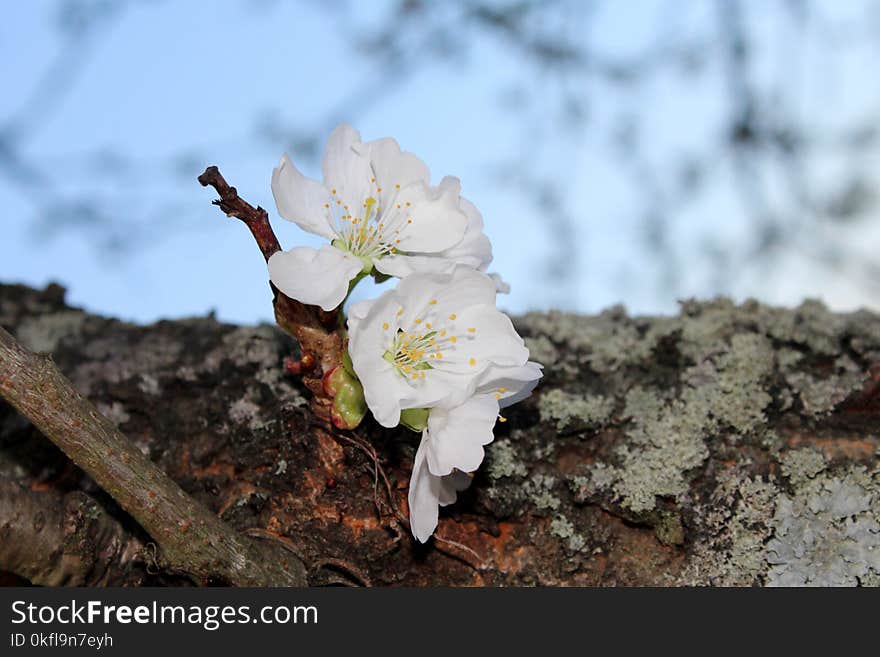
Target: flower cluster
{"type": "Point", "coordinates": [433, 354]}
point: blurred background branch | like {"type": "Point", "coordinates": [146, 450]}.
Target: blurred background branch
{"type": "Point", "coordinates": [645, 151]}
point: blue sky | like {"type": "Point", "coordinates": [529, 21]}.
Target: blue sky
{"type": "Point", "coordinates": [149, 88]}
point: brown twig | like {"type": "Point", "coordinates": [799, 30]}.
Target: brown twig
{"type": "Point", "coordinates": [257, 219]}
{"type": "Point", "coordinates": [318, 332]}
{"type": "Point", "coordinates": [192, 539]}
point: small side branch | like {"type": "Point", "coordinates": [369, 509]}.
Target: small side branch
{"type": "Point", "coordinates": [192, 539]}
{"type": "Point", "coordinates": [256, 218]}
{"type": "Point", "coordinates": [318, 332]}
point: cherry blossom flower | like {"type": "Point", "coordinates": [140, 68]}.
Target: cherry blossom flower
{"type": "Point", "coordinates": [378, 210]}
{"type": "Point", "coordinates": [430, 342]}
{"type": "Point", "coordinates": [436, 354]}
{"type": "Point", "coordinates": [453, 440]}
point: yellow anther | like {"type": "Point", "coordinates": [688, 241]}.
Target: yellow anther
{"type": "Point", "coordinates": [332, 191]}
{"type": "Point", "coordinates": [502, 389]}
{"type": "Point", "coordinates": [472, 330]}
{"type": "Point", "coordinates": [433, 302]}
{"type": "Point", "coordinates": [397, 186]}
{"type": "Point", "coordinates": [422, 375]}
{"type": "Point", "coordinates": [397, 241]}
{"type": "Point", "coordinates": [418, 321]}
{"type": "Point", "coordinates": [472, 362]}
{"type": "Point", "coordinates": [453, 339]}
{"type": "Point", "coordinates": [428, 326]}
{"type": "Point", "coordinates": [326, 205]}
{"type": "Point", "coordinates": [409, 221]}
{"type": "Point", "coordinates": [439, 355]}
{"type": "Point", "coordinates": [372, 180]}
{"type": "Point", "coordinates": [415, 375]}
{"type": "Point", "coordinates": [497, 396]}
{"type": "Point", "coordinates": [453, 316]}
{"type": "Point", "coordinates": [501, 418]}
{"type": "Point", "coordinates": [408, 204]}
{"type": "Point", "coordinates": [379, 189]}
{"type": "Point", "coordinates": [400, 312]}
{"type": "Point", "coordinates": [385, 326]}
{"type": "Point", "coordinates": [443, 333]}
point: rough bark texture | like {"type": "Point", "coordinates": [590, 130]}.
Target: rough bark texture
{"type": "Point", "coordinates": [727, 445]}
{"type": "Point", "coordinates": [192, 539]}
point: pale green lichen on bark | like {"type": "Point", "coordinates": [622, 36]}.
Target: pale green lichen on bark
{"type": "Point", "coordinates": [503, 461]}
{"type": "Point", "coordinates": [43, 333]}
{"type": "Point", "coordinates": [828, 532]}
{"type": "Point", "coordinates": [677, 393]}
{"type": "Point", "coordinates": [566, 409]}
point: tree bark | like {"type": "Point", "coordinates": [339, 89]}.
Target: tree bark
{"type": "Point", "coordinates": [713, 447]}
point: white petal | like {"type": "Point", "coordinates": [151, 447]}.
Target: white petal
{"type": "Point", "coordinates": [403, 265]}
{"type": "Point", "coordinates": [501, 285]}
{"type": "Point", "coordinates": [372, 326]}
{"type": "Point", "coordinates": [456, 436]}
{"type": "Point", "coordinates": [423, 497]}
{"type": "Point", "coordinates": [384, 392]}
{"type": "Point", "coordinates": [427, 492]}
{"type": "Point", "coordinates": [451, 485]}
{"type": "Point", "coordinates": [358, 312]}
{"type": "Point", "coordinates": [437, 220]}
{"type": "Point", "coordinates": [474, 249]}
{"type": "Point", "coordinates": [494, 341]}
{"type": "Point", "coordinates": [394, 169]}
{"type": "Point", "coordinates": [513, 384]}
{"type": "Point", "coordinates": [453, 292]}
{"type": "Point", "coordinates": [346, 167]}
{"type": "Point", "coordinates": [313, 277]}
{"type": "Point", "coordinates": [301, 200]}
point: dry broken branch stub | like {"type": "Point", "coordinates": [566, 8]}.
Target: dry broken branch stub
{"type": "Point", "coordinates": [193, 540]}
{"type": "Point", "coordinates": [318, 332]}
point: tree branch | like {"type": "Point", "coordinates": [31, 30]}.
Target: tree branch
{"type": "Point", "coordinates": [192, 539]}
{"type": "Point", "coordinates": [318, 332]}
{"type": "Point", "coordinates": [256, 219]}
{"type": "Point", "coordinates": [52, 539]}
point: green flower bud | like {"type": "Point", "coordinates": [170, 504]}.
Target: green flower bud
{"type": "Point", "coordinates": [349, 406]}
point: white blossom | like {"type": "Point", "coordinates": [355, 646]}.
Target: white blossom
{"type": "Point", "coordinates": [438, 342]}
{"type": "Point", "coordinates": [377, 209]}
{"type": "Point", "coordinates": [453, 440]}
{"type": "Point", "coordinates": [430, 342]}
